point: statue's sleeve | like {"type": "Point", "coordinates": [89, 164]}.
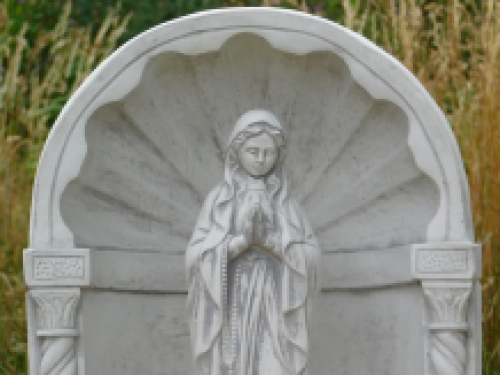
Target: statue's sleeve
{"type": "Point", "coordinates": [206, 264]}
{"type": "Point", "coordinates": [299, 280]}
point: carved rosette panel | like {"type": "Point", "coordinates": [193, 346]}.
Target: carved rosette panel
{"type": "Point", "coordinates": [448, 304]}
{"type": "Point", "coordinates": [56, 328]}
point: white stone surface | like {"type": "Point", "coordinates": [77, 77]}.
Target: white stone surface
{"type": "Point", "coordinates": [57, 331]}
{"type": "Point", "coordinates": [252, 262]}
{"type": "Point", "coordinates": [452, 261]}
{"type": "Point", "coordinates": [371, 70]}
{"type": "Point", "coordinates": [55, 267]}
{"type": "Point", "coordinates": [371, 159]}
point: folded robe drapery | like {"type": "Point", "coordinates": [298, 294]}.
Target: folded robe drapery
{"type": "Point", "coordinates": [278, 290]}
{"type": "Point", "coordinates": [207, 265]}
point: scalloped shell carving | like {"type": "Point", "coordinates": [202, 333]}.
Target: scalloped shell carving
{"type": "Point", "coordinates": [153, 156]}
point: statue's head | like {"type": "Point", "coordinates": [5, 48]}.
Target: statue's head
{"type": "Point", "coordinates": [257, 143]}
{"type": "Point", "coordinates": [258, 154]}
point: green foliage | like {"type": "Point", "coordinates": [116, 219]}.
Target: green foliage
{"type": "Point", "coordinates": [35, 15]}
{"type": "Point", "coordinates": [452, 46]}
{"type": "Point", "coordinates": [34, 85]}
{"type": "Point", "coordinates": [146, 14]}
{"type": "Point", "coordinates": [43, 14]}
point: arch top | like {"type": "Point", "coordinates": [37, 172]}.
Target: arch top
{"type": "Point", "coordinates": [228, 61]}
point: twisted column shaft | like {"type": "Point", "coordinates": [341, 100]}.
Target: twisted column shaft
{"type": "Point", "coordinates": [448, 305]}
{"type": "Point", "coordinates": [56, 311]}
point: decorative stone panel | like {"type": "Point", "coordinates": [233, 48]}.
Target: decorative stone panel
{"type": "Point", "coordinates": [57, 267]}
{"type": "Point", "coordinates": [456, 261]}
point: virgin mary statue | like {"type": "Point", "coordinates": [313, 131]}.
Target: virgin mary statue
{"type": "Point", "coordinates": [252, 263]}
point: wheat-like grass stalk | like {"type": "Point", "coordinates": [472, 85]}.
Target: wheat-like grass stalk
{"type": "Point", "coordinates": [35, 82]}
{"type": "Point", "coordinates": [453, 47]}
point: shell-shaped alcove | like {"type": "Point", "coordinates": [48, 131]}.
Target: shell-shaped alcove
{"type": "Point", "coordinates": [154, 155]}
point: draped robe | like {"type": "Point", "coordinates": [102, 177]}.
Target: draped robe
{"type": "Point", "coordinates": [270, 324]}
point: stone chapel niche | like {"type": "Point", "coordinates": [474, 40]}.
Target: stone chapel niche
{"type": "Point", "coordinates": [154, 155]}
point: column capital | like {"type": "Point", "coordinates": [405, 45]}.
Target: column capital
{"type": "Point", "coordinates": [56, 309]}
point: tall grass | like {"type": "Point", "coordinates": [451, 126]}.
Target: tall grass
{"type": "Point", "coordinates": [453, 47]}
{"type": "Point", "coordinates": [37, 77]}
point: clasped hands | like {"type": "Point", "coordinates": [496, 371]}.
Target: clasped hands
{"type": "Point", "coordinates": [254, 234]}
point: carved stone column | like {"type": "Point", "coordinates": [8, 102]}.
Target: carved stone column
{"type": "Point", "coordinates": [54, 278]}
{"type": "Point", "coordinates": [448, 272]}
{"type": "Point", "coordinates": [448, 304]}
{"type": "Point", "coordinates": [56, 312]}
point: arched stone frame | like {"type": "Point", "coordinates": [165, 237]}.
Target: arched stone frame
{"type": "Point", "coordinates": [430, 140]}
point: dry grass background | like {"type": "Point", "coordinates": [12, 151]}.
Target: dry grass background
{"type": "Point", "coordinates": [452, 46]}
{"type": "Point", "coordinates": [454, 50]}
{"type": "Point", "coordinates": [35, 82]}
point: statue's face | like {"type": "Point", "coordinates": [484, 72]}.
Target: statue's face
{"type": "Point", "coordinates": [258, 154]}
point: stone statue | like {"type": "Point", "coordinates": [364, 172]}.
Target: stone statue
{"type": "Point", "coordinates": [252, 262]}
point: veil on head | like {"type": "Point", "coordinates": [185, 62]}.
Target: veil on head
{"type": "Point", "coordinates": [251, 124]}
{"type": "Point", "coordinates": [252, 117]}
